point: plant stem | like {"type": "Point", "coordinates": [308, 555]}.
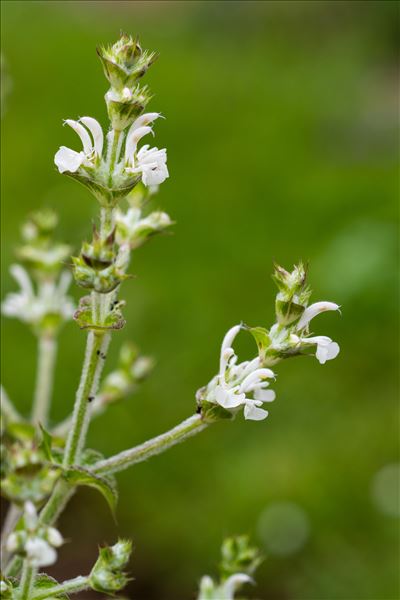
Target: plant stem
{"type": "Point", "coordinates": [10, 521]}
{"type": "Point", "coordinates": [62, 492]}
{"type": "Point", "coordinates": [78, 584]}
{"type": "Point", "coordinates": [47, 350]}
{"type": "Point", "coordinates": [8, 410]}
{"type": "Point", "coordinates": [27, 579]}
{"type": "Point", "coordinates": [96, 347]}
{"type": "Point", "coordinates": [157, 445]}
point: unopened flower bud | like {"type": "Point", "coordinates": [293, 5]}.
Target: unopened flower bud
{"type": "Point", "coordinates": [54, 537]}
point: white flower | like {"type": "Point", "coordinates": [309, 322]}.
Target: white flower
{"type": "Point", "coordinates": [326, 348]}
{"type": "Point", "coordinates": [234, 383]}
{"type": "Point", "coordinates": [232, 584]}
{"type": "Point", "coordinates": [225, 591]}
{"type": "Point", "coordinates": [70, 160]}
{"type": "Point", "coordinates": [35, 540]}
{"type": "Point", "coordinates": [150, 162]}
{"type": "Point", "coordinates": [32, 307]}
{"type": "Point", "coordinates": [54, 537]}
{"type": "Point", "coordinates": [314, 310]}
{"type": "Point", "coordinates": [39, 552]}
{"type": "Point", "coordinates": [132, 228]}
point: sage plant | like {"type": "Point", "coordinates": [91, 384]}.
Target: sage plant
{"type": "Point", "coordinates": [43, 463]}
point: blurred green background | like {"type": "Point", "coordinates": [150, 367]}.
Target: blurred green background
{"type": "Point", "coordinates": [281, 138]}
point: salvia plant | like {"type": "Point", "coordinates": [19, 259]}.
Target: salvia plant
{"type": "Point", "coordinates": [43, 465]}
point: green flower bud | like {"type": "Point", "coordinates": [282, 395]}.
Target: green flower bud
{"type": "Point", "coordinates": [134, 230]}
{"type": "Point", "coordinates": [124, 62]}
{"type": "Point", "coordinates": [126, 105]}
{"type": "Point", "coordinates": [95, 268]}
{"type": "Point", "coordinates": [239, 556]}
{"type": "Point", "coordinates": [107, 575]}
{"type": "Point", "coordinates": [40, 252]}
{"type": "Point", "coordinates": [102, 281]}
{"type": "Point", "coordinates": [293, 295]}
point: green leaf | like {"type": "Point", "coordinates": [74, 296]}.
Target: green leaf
{"type": "Point", "coordinates": [46, 443]}
{"type": "Point", "coordinates": [105, 485]}
{"type": "Point", "coordinates": [214, 412]}
{"type": "Point", "coordinates": [44, 582]}
{"type": "Point", "coordinates": [21, 431]}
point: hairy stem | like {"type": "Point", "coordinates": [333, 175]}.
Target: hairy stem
{"type": "Point", "coordinates": [71, 586]}
{"type": "Point", "coordinates": [10, 521]}
{"type": "Point", "coordinates": [8, 410]}
{"type": "Point", "coordinates": [27, 579]}
{"type": "Point", "coordinates": [157, 445]}
{"type": "Point", "coordinates": [47, 350]}
{"type": "Point", "coordinates": [56, 503]}
{"type": "Point", "coordinates": [96, 347]}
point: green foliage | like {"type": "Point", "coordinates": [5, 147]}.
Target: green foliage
{"type": "Point", "coordinates": [77, 476]}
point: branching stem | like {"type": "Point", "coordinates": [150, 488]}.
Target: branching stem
{"type": "Point", "coordinates": [47, 351]}
{"type": "Point", "coordinates": [71, 586]}
{"type": "Point", "coordinates": [157, 445]}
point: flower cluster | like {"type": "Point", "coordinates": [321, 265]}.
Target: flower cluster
{"type": "Point", "coordinates": [35, 541]}
{"type": "Point", "coordinates": [47, 307]}
{"type": "Point", "coordinates": [134, 229]}
{"type": "Point", "coordinates": [245, 384]}
{"type": "Point", "coordinates": [42, 300]}
{"type": "Point", "coordinates": [112, 173]}
{"type": "Point", "coordinates": [145, 163]}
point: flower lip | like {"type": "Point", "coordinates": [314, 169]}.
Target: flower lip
{"type": "Point", "coordinates": [315, 309]}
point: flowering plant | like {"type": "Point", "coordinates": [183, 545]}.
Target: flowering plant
{"type": "Point", "coordinates": [43, 464]}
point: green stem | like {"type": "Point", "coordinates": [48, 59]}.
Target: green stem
{"type": "Point", "coordinates": [113, 155]}
{"type": "Point", "coordinates": [71, 586]}
{"type": "Point", "coordinates": [47, 350]}
{"type": "Point", "coordinates": [157, 445]}
{"type": "Point", "coordinates": [97, 344]}
{"type": "Point", "coordinates": [62, 492]}
{"type": "Point", "coordinates": [10, 521]}
{"type": "Point", "coordinates": [27, 578]}
{"type": "Point", "coordinates": [8, 410]}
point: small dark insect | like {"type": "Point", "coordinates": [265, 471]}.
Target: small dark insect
{"type": "Point", "coordinates": [90, 398]}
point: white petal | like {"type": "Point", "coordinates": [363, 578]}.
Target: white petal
{"type": "Point", "coordinates": [21, 276]}
{"type": "Point", "coordinates": [68, 160]}
{"type": "Point", "coordinates": [12, 543]}
{"type": "Point", "coordinates": [54, 537]}
{"type": "Point", "coordinates": [233, 583]}
{"type": "Point", "coordinates": [132, 140]}
{"type": "Point", "coordinates": [226, 344]}
{"type": "Point", "coordinates": [264, 395]}
{"type": "Point", "coordinates": [30, 515]}
{"type": "Point", "coordinates": [83, 134]}
{"type": "Point", "coordinates": [144, 120]}
{"type": "Point", "coordinates": [314, 310]}
{"type": "Point", "coordinates": [253, 413]}
{"type": "Point", "coordinates": [40, 553]}
{"type": "Point", "coordinates": [96, 131]}
{"type": "Point", "coordinates": [154, 176]}
{"type": "Point", "coordinates": [64, 283]}
{"type": "Point", "coordinates": [333, 350]}
{"type": "Point", "coordinates": [227, 398]}
{"type": "Point", "coordinates": [255, 377]}
{"type": "Point", "coordinates": [230, 336]}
